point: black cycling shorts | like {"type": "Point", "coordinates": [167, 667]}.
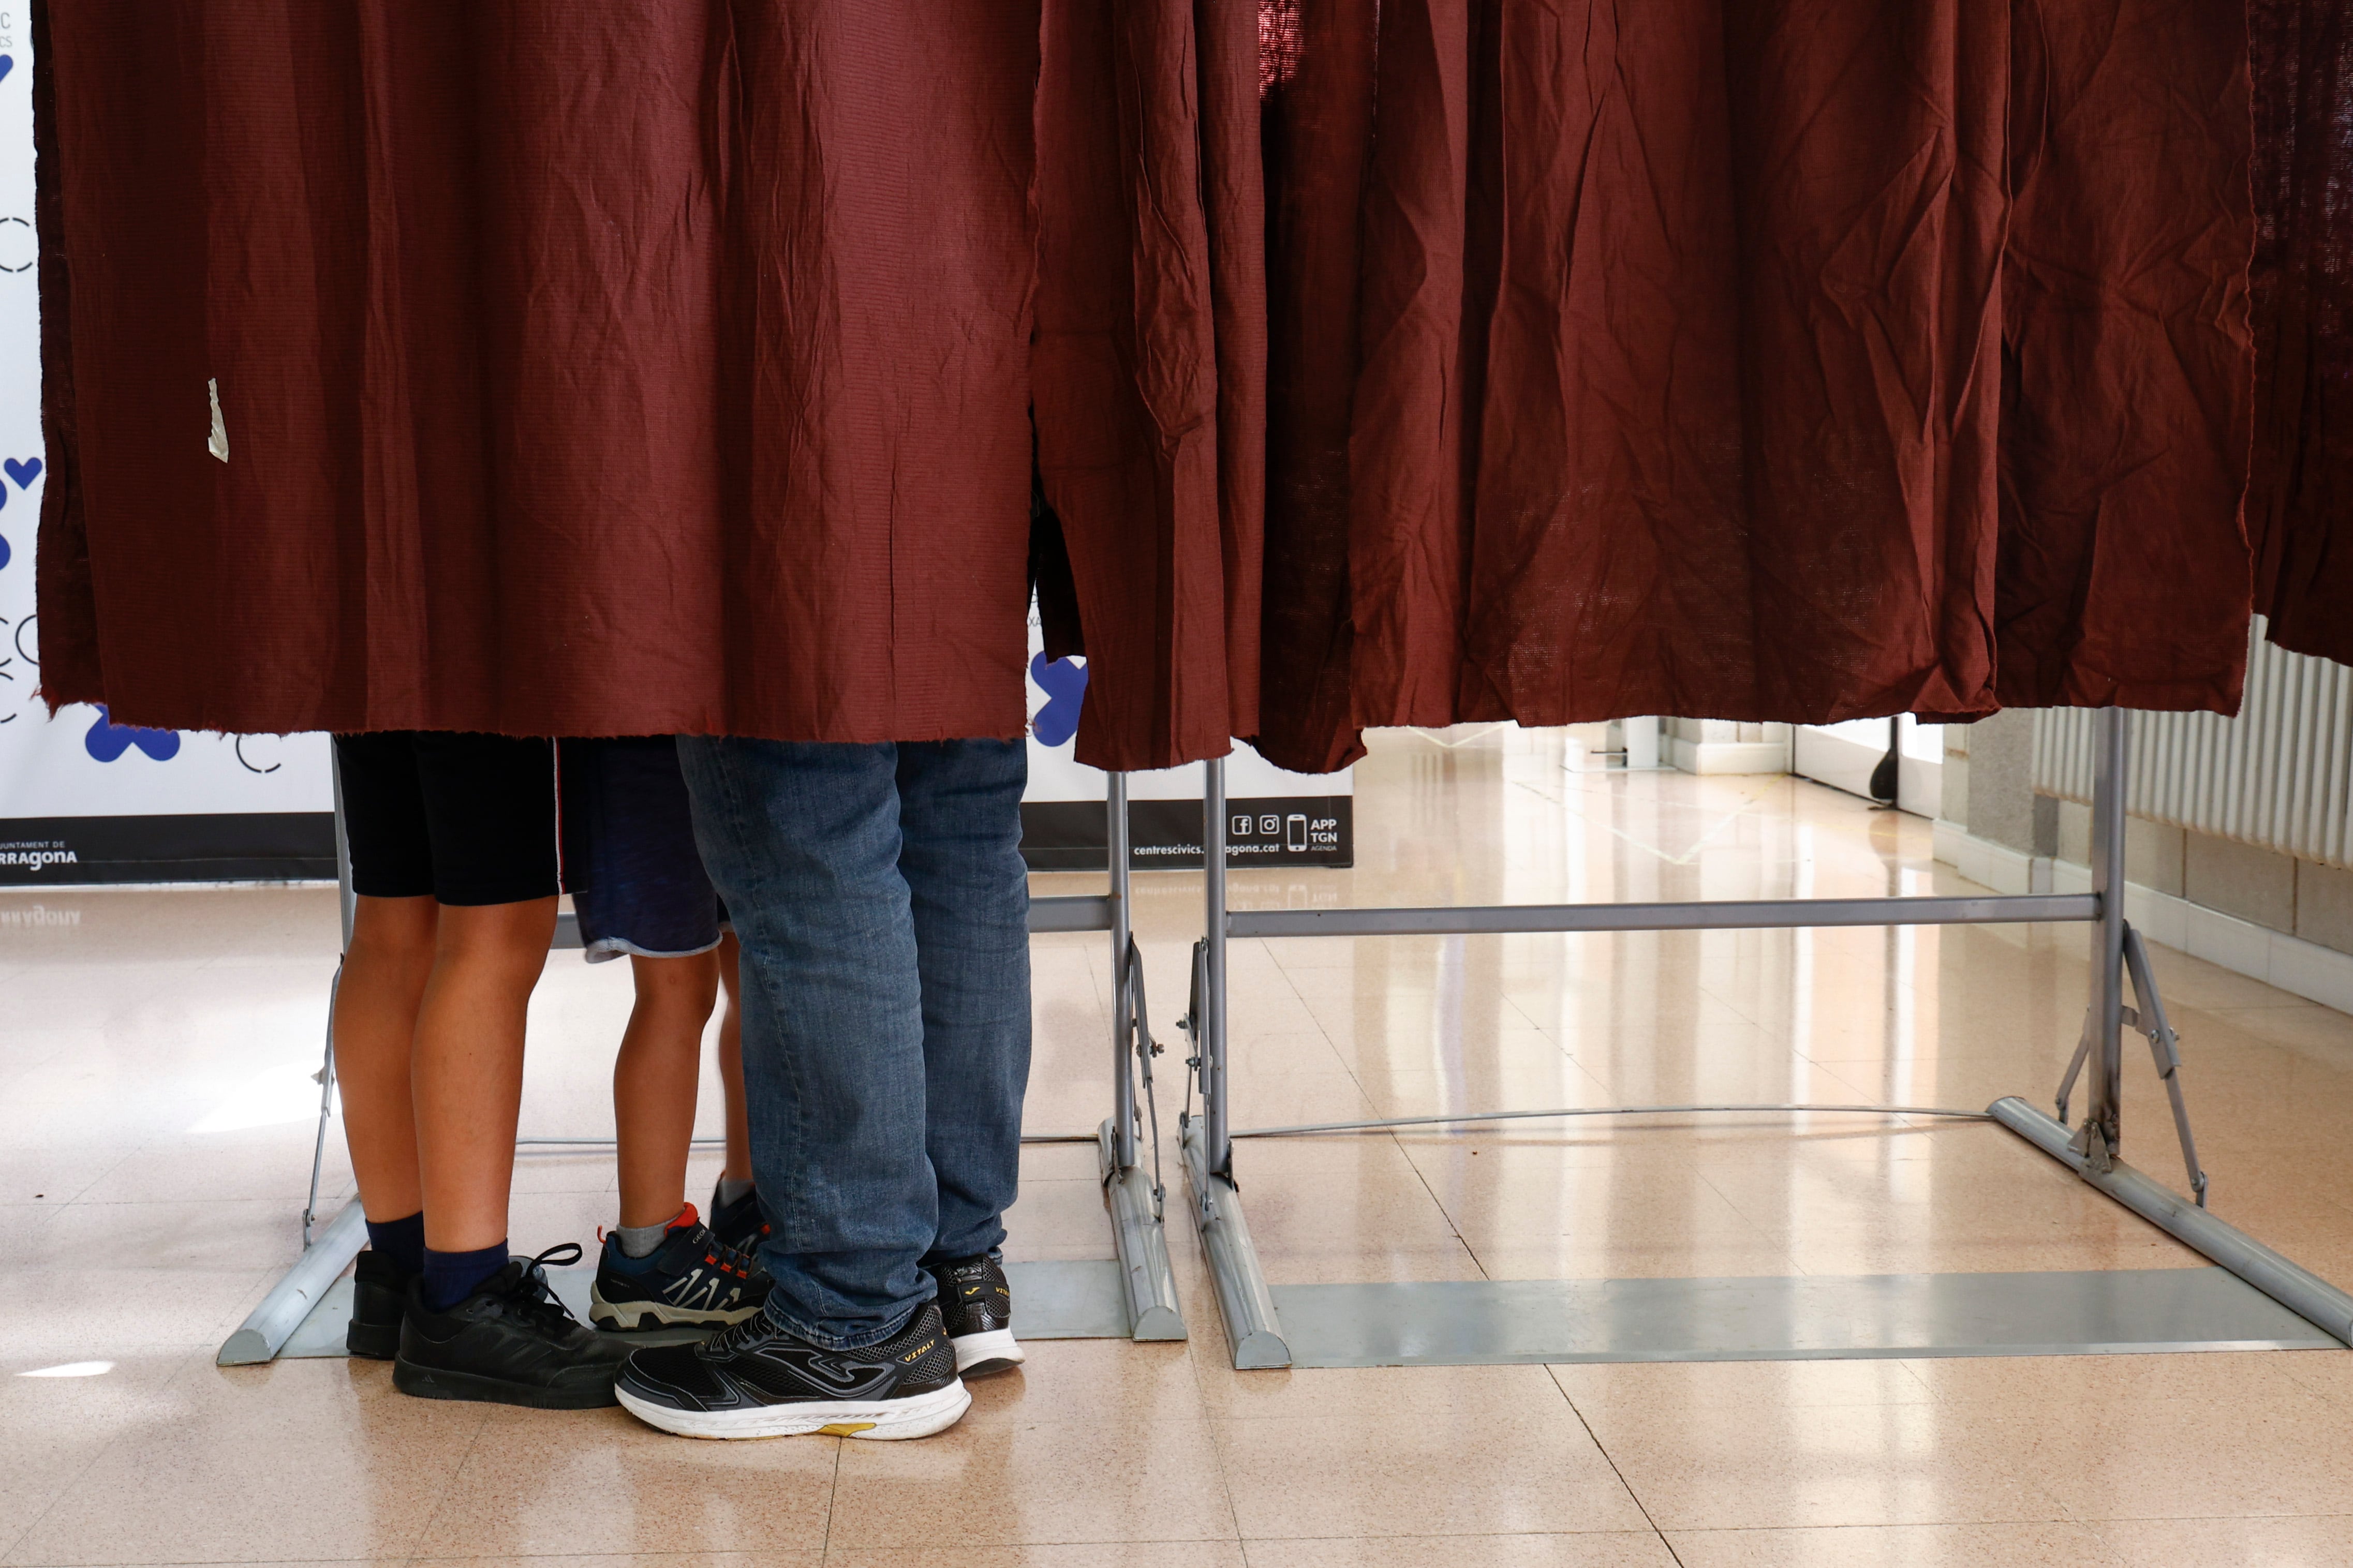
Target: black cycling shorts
{"type": "Point", "coordinates": [464, 819]}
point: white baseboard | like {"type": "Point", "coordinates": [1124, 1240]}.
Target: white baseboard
{"type": "Point", "coordinates": [2302, 968]}
{"type": "Point", "coordinates": [1997, 865]}
{"type": "Point", "coordinates": [1730, 756]}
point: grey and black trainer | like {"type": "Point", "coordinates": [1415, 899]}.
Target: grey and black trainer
{"type": "Point", "coordinates": [693, 1281]}
{"type": "Point", "coordinates": [740, 1225]}
{"type": "Point", "coordinates": [754, 1380]}
{"type": "Point", "coordinates": [977, 1304]}
{"type": "Point", "coordinates": [510, 1342]}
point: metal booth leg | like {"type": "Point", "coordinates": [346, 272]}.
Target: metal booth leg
{"type": "Point", "coordinates": [1243, 1298]}
{"type": "Point", "coordinates": [1134, 1196]}
{"type": "Point", "coordinates": [2103, 1133]}
{"type": "Point", "coordinates": [2091, 1150]}
{"type": "Point", "coordinates": [325, 1253]}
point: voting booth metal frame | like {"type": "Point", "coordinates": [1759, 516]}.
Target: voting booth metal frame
{"type": "Point", "coordinates": [1253, 1327]}
{"type": "Point", "coordinates": [1131, 1193]}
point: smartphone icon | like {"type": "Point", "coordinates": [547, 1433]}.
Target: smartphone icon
{"type": "Point", "coordinates": [1295, 833]}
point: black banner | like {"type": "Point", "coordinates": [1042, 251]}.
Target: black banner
{"type": "Point", "coordinates": [62, 851]}
{"type": "Point", "coordinates": [1300, 830]}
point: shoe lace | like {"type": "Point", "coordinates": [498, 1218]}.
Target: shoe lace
{"type": "Point", "coordinates": [734, 1337]}
{"type": "Point", "coordinates": [732, 1259]}
{"type": "Point", "coordinates": [532, 1297]}
{"type": "Point", "coordinates": [966, 1270]}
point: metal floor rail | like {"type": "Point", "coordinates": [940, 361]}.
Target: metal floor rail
{"type": "Point", "coordinates": [1254, 1329]}
{"type": "Point", "coordinates": [1132, 1195]}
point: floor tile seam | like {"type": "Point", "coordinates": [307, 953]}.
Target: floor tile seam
{"type": "Point", "coordinates": [1453, 1223]}
{"type": "Point", "coordinates": [1219, 1457]}
{"type": "Point", "coordinates": [8, 1555]}
{"type": "Point", "coordinates": [1300, 997]}
{"type": "Point", "coordinates": [2057, 1518]}
{"type": "Point", "coordinates": [122, 1160]}
{"type": "Point", "coordinates": [1731, 1529]}
{"type": "Point", "coordinates": [832, 1500]}
{"type": "Point", "coordinates": [487, 1414]}
{"type": "Point", "coordinates": [1347, 1068]}
{"type": "Point", "coordinates": [1612, 1460]}
{"type": "Point", "coordinates": [2094, 1524]}
{"type": "Point", "coordinates": [1440, 1535]}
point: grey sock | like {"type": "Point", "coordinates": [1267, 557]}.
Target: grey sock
{"type": "Point", "coordinates": [731, 1192]}
{"type": "Point", "coordinates": [639, 1240]}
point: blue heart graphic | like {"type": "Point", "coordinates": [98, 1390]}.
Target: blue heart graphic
{"type": "Point", "coordinates": [1064, 683]}
{"type": "Point", "coordinates": [26, 472]}
{"type": "Point", "coordinates": [4, 552]}
{"type": "Point", "coordinates": [7, 64]}
{"type": "Point", "coordinates": [107, 741]}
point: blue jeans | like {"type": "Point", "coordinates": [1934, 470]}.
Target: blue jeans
{"type": "Point", "coordinates": [883, 908]}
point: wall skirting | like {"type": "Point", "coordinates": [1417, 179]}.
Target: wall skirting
{"type": "Point", "coordinates": [2303, 968]}
{"type": "Point", "coordinates": [1730, 756]}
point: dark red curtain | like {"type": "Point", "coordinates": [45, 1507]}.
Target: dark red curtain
{"type": "Point", "coordinates": [653, 367]}
{"type": "Point", "coordinates": [1148, 367]}
{"type": "Point", "coordinates": [2300, 505]}
{"type": "Point", "coordinates": [629, 367]}
{"type": "Point", "coordinates": [1756, 359]}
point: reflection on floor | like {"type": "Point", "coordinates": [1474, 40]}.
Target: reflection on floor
{"type": "Point", "coordinates": [155, 1057]}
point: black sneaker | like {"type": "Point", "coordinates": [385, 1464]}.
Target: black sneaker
{"type": "Point", "coordinates": [691, 1280]}
{"type": "Point", "coordinates": [739, 1225]}
{"type": "Point", "coordinates": [510, 1342]}
{"type": "Point", "coordinates": [756, 1381]}
{"type": "Point", "coordinates": [978, 1307]}
{"type": "Point", "coordinates": [379, 1298]}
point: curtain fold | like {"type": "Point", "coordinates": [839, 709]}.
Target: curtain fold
{"type": "Point", "coordinates": [1149, 449]}
{"type": "Point", "coordinates": [1751, 359]}
{"type": "Point", "coordinates": [2300, 506]}
{"type": "Point", "coordinates": [621, 369]}
{"type": "Point", "coordinates": [712, 367]}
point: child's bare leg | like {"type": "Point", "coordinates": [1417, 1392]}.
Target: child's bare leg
{"type": "Point", "coordinates": [376, 1031]}
{"type": "Point", "coordinates": [655, 1080]}
{"type": "Point", "coordinates": [468, 1068]}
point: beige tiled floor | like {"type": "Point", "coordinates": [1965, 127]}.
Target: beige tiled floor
{"type": "Point", "coordinates": [153, 1049]}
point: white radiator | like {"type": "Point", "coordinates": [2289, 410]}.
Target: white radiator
{"type": "Point", "coordinates": [2280, 775]}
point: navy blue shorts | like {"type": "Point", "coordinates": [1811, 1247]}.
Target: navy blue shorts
{"type": "Point", "coordinates": [638, 881]}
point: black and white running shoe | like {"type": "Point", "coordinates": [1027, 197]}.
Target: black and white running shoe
{"type": "Point", "coordinates": [977, 1304]}
{"type": "Point", "coordinates": [740, 1225]}
{"type": "Point", "coordinates": [510, 1342]}
{"type": "Point", "coordinates": [379, 1300]}
{"type": "Point", "coordinates": [691, 1280]}
{"type": "Point", "coordinates": [754, 1380]}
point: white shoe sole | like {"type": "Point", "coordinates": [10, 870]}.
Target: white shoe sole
{"type": "Point", "coordinates": [882, 1420]}
{"type": "Point", "coordinates": [995, 1351]}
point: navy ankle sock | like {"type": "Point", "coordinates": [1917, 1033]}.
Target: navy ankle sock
{"type": "Point", "coordinates": [452, 1277]}
{"type": "Point", "coordinates": [401, 1240]}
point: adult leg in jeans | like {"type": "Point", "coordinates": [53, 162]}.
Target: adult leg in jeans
{"type": "Point", "coordinates": [882, 907]}
{"type": "Point", "coordinates": [803, 841]}
{"type": "Point", "coordinates": [960, 826]}
{"type": "Point", "coordinates": [879, 897]}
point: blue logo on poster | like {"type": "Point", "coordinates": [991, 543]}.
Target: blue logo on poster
{"type": "Point", "coordinates": [7, 64]}
{"type": "Point", "coordinates": [1064, 682]}
{"type": "Point", "coordinates": [108, 741]}
{"type": "Point", "coordinates": [26, 472]}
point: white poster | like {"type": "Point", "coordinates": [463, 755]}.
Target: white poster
{"type": "Point", "coordinates": [83, 799]}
